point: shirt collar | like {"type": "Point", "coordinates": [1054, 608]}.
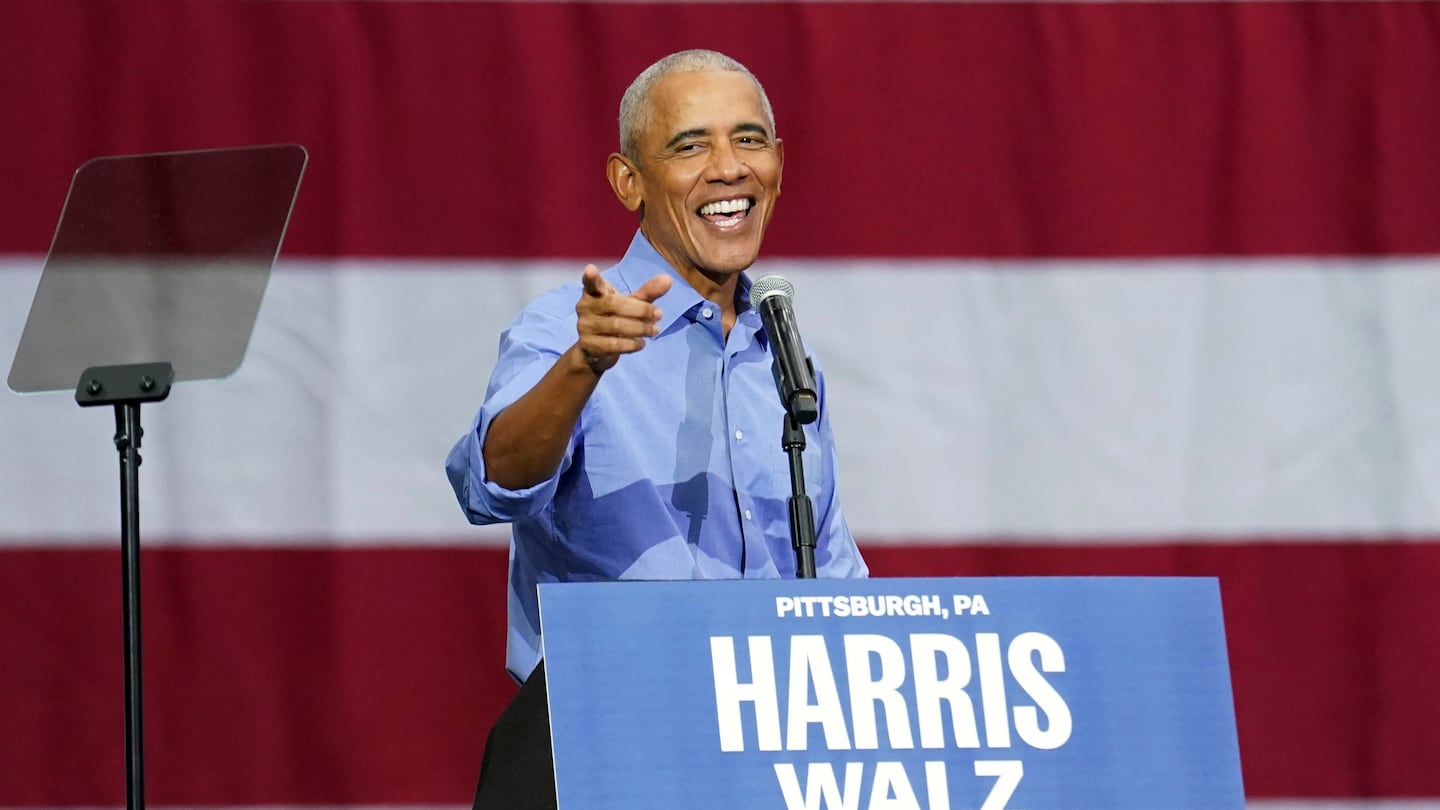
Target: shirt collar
{"type": "Point", "coordinates": [642, 262]}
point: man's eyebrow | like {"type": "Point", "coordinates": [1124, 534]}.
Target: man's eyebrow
{"type": "Point", "coordinates": [686, 135]}
{"type": "Point", "coordinates": [756, 128]}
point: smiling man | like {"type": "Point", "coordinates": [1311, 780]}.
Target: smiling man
{"type": "Point", "coordinates": [631, 427]}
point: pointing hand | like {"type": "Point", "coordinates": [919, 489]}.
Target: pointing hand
{"type": "Point", "coordinates": [610, 323]}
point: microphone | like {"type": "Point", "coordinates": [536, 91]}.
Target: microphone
{"type": "Point", "coordinates": [793, 376]}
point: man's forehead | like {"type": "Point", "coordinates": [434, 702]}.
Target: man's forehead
{"type": "Point", "coordinates": [706, 99]}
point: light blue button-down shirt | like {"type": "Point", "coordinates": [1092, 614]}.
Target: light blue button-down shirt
{"type": "Point", "coordinates": [675, 470]}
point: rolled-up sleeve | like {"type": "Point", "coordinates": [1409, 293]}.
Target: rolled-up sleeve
{"type": "Point", "coordinates": [529, 347]}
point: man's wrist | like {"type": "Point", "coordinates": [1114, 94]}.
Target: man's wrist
{"type": "Point", "coordinates": [585, 362]}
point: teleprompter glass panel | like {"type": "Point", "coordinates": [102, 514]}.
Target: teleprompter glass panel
{"type": "Point", "coordinates": [159, 258]}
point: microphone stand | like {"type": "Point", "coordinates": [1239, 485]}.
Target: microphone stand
{"type": "Point", "coordinates": [802, 513]}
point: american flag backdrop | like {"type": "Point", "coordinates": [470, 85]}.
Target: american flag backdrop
{"type": "Point", "coordinates": [1100, 288]}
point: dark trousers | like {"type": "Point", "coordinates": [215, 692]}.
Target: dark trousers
{"type": "Point", "coordinates": [517, 771]}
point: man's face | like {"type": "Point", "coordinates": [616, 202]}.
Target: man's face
{"type": "Point", "coordinates": [709, 172]}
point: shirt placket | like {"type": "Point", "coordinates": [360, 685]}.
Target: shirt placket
{"type": "Point", "coordinates": [707, 316]}
{"type": "Point", "coordinates": [739, 437]}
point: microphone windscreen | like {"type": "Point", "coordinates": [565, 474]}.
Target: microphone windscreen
{"type": "Point", "coordinates": [769, 285]}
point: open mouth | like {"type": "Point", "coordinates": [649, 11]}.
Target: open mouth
{"type": "Point", "coordinates": [726, 213]}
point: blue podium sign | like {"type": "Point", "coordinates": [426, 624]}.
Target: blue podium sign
{"type": "Point", "coordinates": [891, 694]}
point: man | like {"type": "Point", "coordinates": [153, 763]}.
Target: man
{"type": "Point", "coordinates": [631, 428]}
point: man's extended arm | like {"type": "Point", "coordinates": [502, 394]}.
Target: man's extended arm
{"type": "Point", "coordinates": [527, 440]}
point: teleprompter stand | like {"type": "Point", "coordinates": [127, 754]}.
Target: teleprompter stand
{"type": "Point", "coordinates": [125, 388]}
{"type": "Point", "coordinates": [155, 275]}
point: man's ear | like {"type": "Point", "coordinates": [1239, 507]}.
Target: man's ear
{"type": "Point", "coordinates": [780, 164]}
{"type": "Point", "coordinates": [624, 178]}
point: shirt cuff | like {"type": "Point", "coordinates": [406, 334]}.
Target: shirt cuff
{"type": "Point", "coordinates": [485, 501]}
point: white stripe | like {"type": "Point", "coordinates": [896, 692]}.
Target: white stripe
{"type": "Point", "coordinates": [1067, 400]}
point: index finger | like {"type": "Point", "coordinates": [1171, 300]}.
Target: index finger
{"type": "Point", "coordinates": [593, 283]}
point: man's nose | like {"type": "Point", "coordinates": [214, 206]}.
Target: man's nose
{"type": "Point", "coordinates": [725, 165]}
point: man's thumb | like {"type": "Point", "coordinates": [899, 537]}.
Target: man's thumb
{"type": "Point", "coordinates": [654, 288]}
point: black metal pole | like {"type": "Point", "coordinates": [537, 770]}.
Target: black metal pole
{"type": "Point", "coordinates": [802, 513]}
{"type": "Point", "coordinates": [125, 387]}
{"type": "Point", "coordinates": [127, 442]}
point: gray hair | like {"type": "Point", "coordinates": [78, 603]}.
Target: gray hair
{"type": "Point", "coordinates": [636, 110]}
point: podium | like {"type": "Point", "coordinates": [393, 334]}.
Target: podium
{"type": "Point", "coordinates": [891, 694]}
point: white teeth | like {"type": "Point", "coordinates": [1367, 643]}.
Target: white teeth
{"type": "Point", "coordinates": [725, 207]}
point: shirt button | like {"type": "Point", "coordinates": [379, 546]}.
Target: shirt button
{"type": "Point", "coordinates": [739, 435]}
{"type": "Point", "coordinates": [747, 514]}
{"type": "Point", "coordinates": [707, 314]}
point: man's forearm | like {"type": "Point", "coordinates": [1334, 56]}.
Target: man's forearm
{"type": "Point", "coordinates": [526, 441]}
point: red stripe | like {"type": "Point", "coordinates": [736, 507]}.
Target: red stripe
{"type": "Point", "coordinates": [295, 677]}
{"type": "Point", "coordinates": [913, 129]}
{"type": "Point", "coordinates": [372, 675]}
